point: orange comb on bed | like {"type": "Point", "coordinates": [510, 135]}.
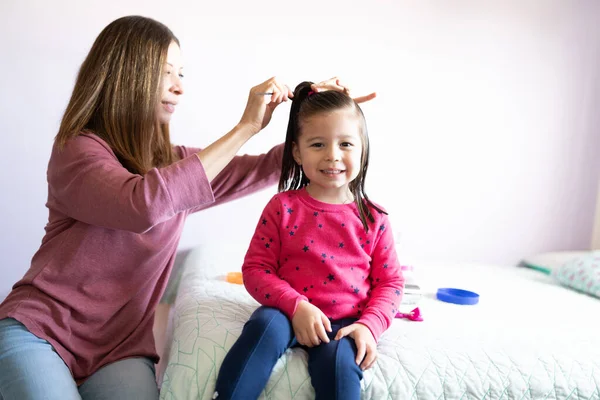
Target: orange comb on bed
{"type": "Point", "coordinates": [234, 277]}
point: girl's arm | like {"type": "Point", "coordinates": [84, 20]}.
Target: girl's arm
{"type": "Point", "coordinates": [387, 282]}
{"type": "Point", "coordinates": [262, 263]}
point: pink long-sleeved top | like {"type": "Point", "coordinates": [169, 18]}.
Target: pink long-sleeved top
{"type": "Point", "coordinates": [304, 249]}
{"type": "Point", "coordinates": [109, 247]}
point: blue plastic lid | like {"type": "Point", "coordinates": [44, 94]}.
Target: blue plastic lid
{"type": "Point", "coordinates": [457, 296]}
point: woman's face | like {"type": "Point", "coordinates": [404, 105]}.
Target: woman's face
{"type": "Point", "coordinates": [172, 86]}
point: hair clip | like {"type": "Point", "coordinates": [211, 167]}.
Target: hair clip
{"type": "Point", "coordinates": [414, 315]}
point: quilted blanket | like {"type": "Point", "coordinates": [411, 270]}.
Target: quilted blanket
{"type": "Point", "coordinates": [528, 338]}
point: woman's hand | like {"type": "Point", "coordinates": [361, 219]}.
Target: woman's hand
{"type": "Point", "coordinates": [366, 347]}
{"type": "Point", "coordinates": [260, 106]}
{"type": "Point", "coordinates": [335, 84]}
{"type": "Point", "coordinates": [310, 324]}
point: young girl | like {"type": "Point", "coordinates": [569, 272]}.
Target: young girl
{"type": "Point", "coordinates": [322, 260]}
{"type": "Point", "coordinates": [79, 323]}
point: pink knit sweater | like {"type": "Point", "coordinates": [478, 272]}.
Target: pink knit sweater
{"type": "Point", "coordinates": [110, 243]}
{"type": "Point", "coordinates": [304, 249]}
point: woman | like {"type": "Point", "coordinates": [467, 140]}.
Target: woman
{"type": "Point", "coordinates": [79, 323]}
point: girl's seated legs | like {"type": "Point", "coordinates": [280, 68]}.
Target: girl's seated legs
{"type": "Point", "coordinates": [332, 366]}
{"type": "Point", "coordinates": [247, 367]}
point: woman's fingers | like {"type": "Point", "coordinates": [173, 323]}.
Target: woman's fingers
{"type": "Point", "coordinates": [329, 84]}
{"type": "Point", "coordinates": [336, 84]}
{"type": "Point", "coordinates": [362, 99]}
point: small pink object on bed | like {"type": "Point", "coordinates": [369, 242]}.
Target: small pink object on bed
{"type": "Point", "coordinates": [414, 315]}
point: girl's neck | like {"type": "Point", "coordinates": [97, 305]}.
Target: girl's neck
{"type": "Point", "coordinates": [330, 196]}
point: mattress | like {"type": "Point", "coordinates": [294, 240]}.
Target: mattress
{"type": "Point", "coordinates": [527, 338]}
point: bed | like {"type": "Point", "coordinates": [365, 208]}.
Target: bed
{"type": "Point", "coordinates": [528, 338]}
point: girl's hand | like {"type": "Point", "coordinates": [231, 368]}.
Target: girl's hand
{"type": "Point", "coordinates": [310, 324]}
{"type": "Point", "coordinates": [260, 106]}
{"type": "Point", "coordinates": [335, 84]}
{"type": "Point", "coordinates": [365, 344]}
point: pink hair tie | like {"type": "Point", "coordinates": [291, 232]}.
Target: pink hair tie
{"type": "Point", "coordinates": [414, 315]}
{"type": "Point", "coordinates": [310, 93]}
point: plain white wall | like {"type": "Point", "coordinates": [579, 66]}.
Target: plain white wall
{"type": "Point", "coordinates": [485, 134]}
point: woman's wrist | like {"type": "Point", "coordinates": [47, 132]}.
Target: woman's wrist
{"type": "Point", "coordinates": [246, 130]}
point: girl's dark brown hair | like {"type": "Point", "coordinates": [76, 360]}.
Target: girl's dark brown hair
{"type": "Point", "coordinates": [117, 90]}
{"type": "Point", "coordinates": [306, 104]}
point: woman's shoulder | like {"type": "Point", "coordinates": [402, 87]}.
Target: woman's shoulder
{"type": "Point", "coordinates": [84, 142]}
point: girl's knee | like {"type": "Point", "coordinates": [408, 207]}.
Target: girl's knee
{"type": "Point", "coordinates": [267, 318]}
{"type": "Point", "coordinates": [269, 326]}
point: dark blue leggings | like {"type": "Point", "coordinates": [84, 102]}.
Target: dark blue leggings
{"type": "Point", "coordinates": [265, 337]}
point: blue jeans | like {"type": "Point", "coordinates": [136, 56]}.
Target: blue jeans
{"type": "Point", "coordinates": [30, 369]}
{"type": "Point", "coordinates": [266, 336]}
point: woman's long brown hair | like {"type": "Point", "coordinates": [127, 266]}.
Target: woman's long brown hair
{"type": "Point", "coordinates": [117, 91]}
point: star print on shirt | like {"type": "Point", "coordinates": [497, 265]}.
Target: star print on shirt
{"type": "Point", "coordinates": [268, 296]}
{"type": "Point", "coordinates": [305, 248]}
{"type": "Point", "coordinates": [382, 227]}
{"type": "Point", "coordinates": [341, 245]}
{"type": "Point", "coordinates": [316, 214]}
{"type": "Point", "coordinates": [330, 277]}
{"type": "Point", "coordinates": [264, 221]}
{"type": "Point", "coordinates": [289, 211]}
{"type": "Point", "coordinates": [267, 271]}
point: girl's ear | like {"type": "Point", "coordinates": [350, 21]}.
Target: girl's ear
{"type": "Point", "coordinates": [296, 153]}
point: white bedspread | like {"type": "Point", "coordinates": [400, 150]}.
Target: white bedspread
{"type": "Point", "coordinates": [528, 338]}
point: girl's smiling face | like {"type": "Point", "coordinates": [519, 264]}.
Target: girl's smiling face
{"type": "Point", "coordinates": [329, 149]}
